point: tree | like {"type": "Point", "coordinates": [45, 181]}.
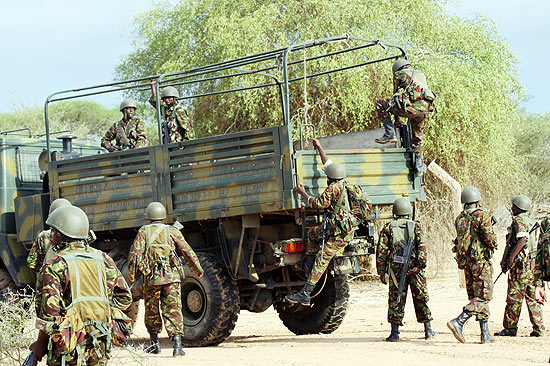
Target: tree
{"type": "Point", "coordinates": [469, 66]}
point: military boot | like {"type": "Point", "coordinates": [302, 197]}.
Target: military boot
{"type": "Point", "coordinates": [428, 331]}
{"type": "Point", "coordinates": [507, 332]}
{"type": "Point", "coordinates": [456, 325]}
{"type": "Point", "coordinates": [394, 335]}
{"type": "Point", "coordinates": [419, 166]}
{"type": "Point", "coordinates": [389, 132]}
{"type": "Point", "coordinates": [154, 345]}
{"type": "Point", "coordinates": [301, 297]}
{"type": "Point", "coordinates": [485, 334]}
{"type": "Point", "coordinates": [178, 351]}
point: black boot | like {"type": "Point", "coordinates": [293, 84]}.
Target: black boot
{"type": "Point", "coordinates": [154, 345]}
{"type": "Point", "coordinates": [456, 325]}
{"type": "Point", "coordinates": [419, 166]}
{"type": "Point", "coordinates": [178, 351]}
{"type": "Point", "coordinates": [507, 332]}
{"type": "Point", "coordinates": [485, 334]}
{"type": "Point", "coordinates": [389, 132]}
{"type": "Point", "coordinates": [428, 331]}
{"type": "Point", "coordinates": [301, 297]}
{"type": "Point", "coordinates": [394, 335]}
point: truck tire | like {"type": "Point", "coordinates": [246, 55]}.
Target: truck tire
{"type": "Point", "coordinates": [327, 309]}
{"type": "Point", "coordinates": [7, 284]}
{"type": "Point", "coordinates": [210, 304]}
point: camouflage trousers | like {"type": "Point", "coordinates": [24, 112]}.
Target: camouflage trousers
{"type": "Point", "coordinates": [419, 291]}
{"type": "Point", "coordinates": [479, 286]}
{"type": "Point", "coordinates": [521, 285]}
{"type": "Point", "coordinates": [334, 245]}
{"type": "Point", "coordinates": [418, 114]}
{"type": "Point", "coordinates": [169, 297]}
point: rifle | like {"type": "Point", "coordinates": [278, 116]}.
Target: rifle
{"type": "Point", "coordinates": [505, 269]}
{"type": "Point", "coordinates": [405, 259]}
{"type": "Point", "coordinates": [29, 361]}
{"type": "Point", "coordinates": [324, 231]}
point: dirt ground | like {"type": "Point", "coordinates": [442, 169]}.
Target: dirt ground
{"type": "Point", "coordinates": [263, 339]}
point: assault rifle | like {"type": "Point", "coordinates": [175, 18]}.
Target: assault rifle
{"type": "Point", "coordinates": [29, 361]}
{"type": "Point", "coordinates": [405, 259]}
{"type": "Point", "coordinates": [505, 269]}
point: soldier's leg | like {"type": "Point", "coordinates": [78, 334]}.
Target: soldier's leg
{"type": "Point", "coordinates": [419, 292]}
{"type": "Point", "coordinates": [535, 311]}
{"type": "Point", "coordinates": [468, 280]}
{"type": "Point", "coordinates": [396, 305]}
{"type": "Point", "coordinates": [481, 280]}
{"type": "Point", "coordinates": [514, 300]}
{"type": "Point", "coordinates": [382, 106]}
{"type": "Point", "coordinates": [171, 308]}
{"type": "Point", "coordinates": [322, 259]}
{"type": "Point", "coordinates": [151, 298]}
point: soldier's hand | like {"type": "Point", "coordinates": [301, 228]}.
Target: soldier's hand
{"type": "Point", "coordinates": [384, 279]}
{"type": "Point", "coordinates": [540, 295]}
{"type": "Point", "coordinates": [300, 189]}
{"type": "Point", "coordinates": [316, 143]}
{"type": "Point", "coordinates": [413, 271]}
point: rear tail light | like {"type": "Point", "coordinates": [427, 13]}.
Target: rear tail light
{"type": "Point", "coordinates": [292, 246]}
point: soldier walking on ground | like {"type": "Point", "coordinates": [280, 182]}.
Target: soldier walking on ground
{"type": "Point", "coordinates": [474, 247]}
{"type": "Point", "coordinates": [390, 260]}
{"type": "Point", "coordinates": [128, 133]}
{"type": "Point", "coordinates": [411, 99]}
{"type": "Point", "coordinates": [78, 289]}
{"type": "Point", "coordinates": [519, 257]}
{"type": "Point", "coordinates": [542, 261]}
{"type": "Point", "coordinates": [176, 126]}
{"type": "Point", "coordinates": [341, 222]}
{"type": "Point", "coordinates": [155, 255]}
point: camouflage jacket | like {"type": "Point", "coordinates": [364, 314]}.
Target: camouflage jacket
{"type": "Point", "coordinates": [177, 121]}
{"type": "Point", "coordinates": [517, 230]}
{"type": "Point", "coordinates": [138, 261]}
{"type": "Point", "coordinates": [338, 224]}
{"type": "Point", "coordinates": [40, 247]}
{"type": "Point", "coordinates": [407, 92]}
{"type": "Point", "coordinates": [387, 249]}
{"type": "Point", "coordinates": [134, 130]}
{"type": "Point", "coordinates": [542, 261]}
{"type": "Point", "coordinates": [475, 231]}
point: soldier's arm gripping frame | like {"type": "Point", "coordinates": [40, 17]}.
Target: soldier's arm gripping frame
{"type": "Point", "coordinates": [405, 259]}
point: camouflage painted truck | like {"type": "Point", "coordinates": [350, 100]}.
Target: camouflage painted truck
{"type": "Point", "coordinates": [234, 193]}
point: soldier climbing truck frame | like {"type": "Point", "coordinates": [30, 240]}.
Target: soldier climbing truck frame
{"type": "Point", "coordinates": [234, 193]}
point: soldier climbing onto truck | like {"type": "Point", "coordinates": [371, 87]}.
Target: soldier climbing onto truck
{"type": "Point", "coordinates": [128, 133]}
{"type": "Point", "coordinates": [342, 220]}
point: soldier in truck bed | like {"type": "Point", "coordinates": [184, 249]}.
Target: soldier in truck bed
{"type": "Point", "coordinates": [128, 133]}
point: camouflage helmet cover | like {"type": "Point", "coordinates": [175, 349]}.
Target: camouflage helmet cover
{"type": "Point", "coordinates": [470, 195]}
{"type": "Point", "coordinates": [59, 202]}
{"type": "Point", "coordinates": [336, 171]}
{"type": "Point", "coordinates": [522, 202]}
{"type": "Point", "coordinates": [169, 91]}
{"type": "Point", "coordinates": [43, 160]}
{"type": "Point", "coordinates": [402, 207]}
{"type": "Point", "coordinates": [399, 64]}
{"type": "Point", "coordinates": [70, 221]}
{"type": "Point", "coordinates": [155, 211]}
{"type": "Point", "coordinates": [127, 103]}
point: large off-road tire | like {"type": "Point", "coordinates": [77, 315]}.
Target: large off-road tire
{"type": "Point", "coordinates": [210, 305]}
{"type": "Point", "coordinates": [327, 309]}
{"type": "Point", "coordinates": [7, 284]}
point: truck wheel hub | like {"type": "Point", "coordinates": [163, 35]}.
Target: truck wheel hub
{"type": "Point", "coordinates": [194, 301]}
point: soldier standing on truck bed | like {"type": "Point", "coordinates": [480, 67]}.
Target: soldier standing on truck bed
{"type": "Point", "coordinates": [78, 291]}
{"type": "Point", "coordinates": [42, 248]}
{"type": "Point", "coordinates": [341, 223]}
{"type": "Point", "coordinates": [399, 242]}
{"type": "Point", "coordinates": [176, 126]}
{"type": "Point", "coordinates": [519, 257]}
{"type": "Point", "coordinates": [411, 99]}
{"type": "Point", "coordinates": [474, 247]}
{"type": "Point", "coordinates": [128, 133]}
{"type": "Point", "coordinates": [155, 255]}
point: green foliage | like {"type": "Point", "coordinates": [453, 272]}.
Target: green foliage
{"type": "Point", "coordinates": [17, 330]}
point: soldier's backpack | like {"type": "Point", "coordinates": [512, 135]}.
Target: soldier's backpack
{"type": "Point", "coordinates": [159, 251]}
{"type": "Point", "coordinates": [359, 202]}
{"type": "Point", "coordinates": [465, 251]}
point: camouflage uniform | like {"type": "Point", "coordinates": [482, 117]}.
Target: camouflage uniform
{"type": "Point", "coordinates": [161, 278]}
{"type": "Point", "coordinates": [339, 229]}
{"type": "Point", "coordinates": [176, 121]}
{"type": "Point", "coordinates": [521, 282]}
{"type": "Point", "coordinates": [542, 260]}
{"type": "Point", "coordinates": [411, 105]}
{"type": "Point", "coordinates": [474, 227]}
{"type": "Point", "coordinates": [40, 247]}
{"type": "Point", "coordinates": [134, 129]}
{"type": "Point", "coordinates": [385, 253]}
{"type": "Point", "coordinates": [53, 296]}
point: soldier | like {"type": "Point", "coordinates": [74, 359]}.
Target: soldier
{"type": "Point", "coordinates": [520, 262]}
{"type": "Point", "coordinates": [392, 241]}
{"type": "Point", "coordinates": [128, 133]}
{"type": "Point", "coordinates": [542, 262]}
{"type": "Point", "coordinates": [176, 126]}
{"type": "Point", "coordinates": [42, 248]}
{"type": "Point", "coordinates": [341, 224]}
{"type": "Point", "coordinates": [474, 247]}
{"type": "Point", "coordinates": [411, 99]}
{"type": "Point", "coordinates": [77, 287]}
{"type": "Point", "coordinates": [154, 254]}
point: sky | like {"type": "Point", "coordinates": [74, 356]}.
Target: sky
{"type": "Point", "coordinates": [57, 45]}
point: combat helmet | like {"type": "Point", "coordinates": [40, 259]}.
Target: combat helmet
{"type": "Point", "coordinates": [70, 221]}
{"type": "Point", "coordinates": [169, 91]}
{"type": "Point", "coordinates": [155, 211]}
{"type": "Point", "coordinates": [127, 103]}
{"type": "Point", "coordinates": [336, 171]}
{"type": "Point", "coordinates": [399, 64]}
{"type": "Point", "coordinates": [402, 207]}
{"type": "Point", "coordinates": [522, 202]}
{"type": "Point", "coordinates": [470, 195]}
{"type": "Point", "coordinates": [59, 202]}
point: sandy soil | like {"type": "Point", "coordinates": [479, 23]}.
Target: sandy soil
{"type": "Point", "coordinates": [263, 339]}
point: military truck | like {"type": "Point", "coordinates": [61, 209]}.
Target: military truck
{"type": "Point", "coordinates": [234, 193]}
